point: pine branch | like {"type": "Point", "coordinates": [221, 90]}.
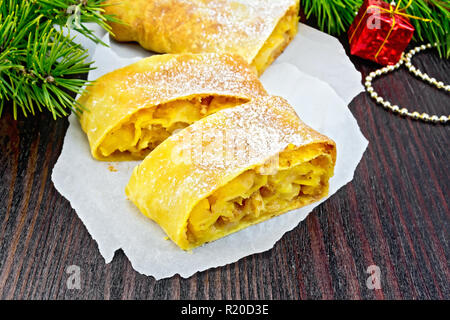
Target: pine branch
{"type": "Point", "coordinates": [39, 64]}
{"type": "Point", "coordinates": [439, 29]}
{"type": "Point", "coordinates": [333, 16]}
{"type": "Point", "coordinates": [61, 11]}
{"type": "Point", "coordinates": [336, 16]}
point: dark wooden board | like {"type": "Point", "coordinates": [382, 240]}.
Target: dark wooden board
{"type": "Point", "coordinates": [394, 215]}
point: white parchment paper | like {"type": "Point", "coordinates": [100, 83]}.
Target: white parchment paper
{"type": "Point", "coordinates": [323, 56]}
{"type": "Point", "coordinates": [97, 193]}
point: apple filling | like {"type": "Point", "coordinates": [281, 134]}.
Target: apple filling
{"type": "Point", "coordinates": [253, 197]}
{"type": "Point", "coordinates": [282, 35]}
{"type": "Point", "coordinates": [147, 128]}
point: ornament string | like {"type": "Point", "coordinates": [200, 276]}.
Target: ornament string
{"type": "Point", "coordinates": [406, 60]}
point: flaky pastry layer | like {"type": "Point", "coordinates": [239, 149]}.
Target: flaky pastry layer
{"type": "Point", "coordinates": [233, 169]}
{"type": "Point", "coordinates": [257, 30]}
{"type": "Point", "coordinates": [133, 109]}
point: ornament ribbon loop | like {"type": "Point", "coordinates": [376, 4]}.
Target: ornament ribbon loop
{"type": "Point", "coordinates": [395, 10]}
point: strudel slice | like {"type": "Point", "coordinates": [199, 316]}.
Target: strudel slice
{"type": "Point", "coordinates": [132, 110]}
{"type": "Point", "coordinates": [258, 30]}
{"type": "Point", "coordinates": [233, 169]}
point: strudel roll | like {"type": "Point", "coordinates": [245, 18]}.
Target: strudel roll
{"type": "Point", "coordinates": [132, 110]}
{"type": "Point", "coordinates": [233, 169]}
{"type": "Point", "coordinates": [258, 30]}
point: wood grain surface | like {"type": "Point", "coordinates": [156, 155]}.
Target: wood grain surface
{"type": "Point", "coordinates": [394, 215]}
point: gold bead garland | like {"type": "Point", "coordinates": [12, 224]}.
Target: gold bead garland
{"type": "Point", "coordinates": [406, 59]}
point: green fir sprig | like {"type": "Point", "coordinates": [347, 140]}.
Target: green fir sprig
{"type": "Point", "coordinates": [333, 16]}
{"type": "Point", "coordinates": [39, 63]}
{"type": "Point", "coordinates": [439, 29]}
{"type": "Point", "coordinates": [336, 16]}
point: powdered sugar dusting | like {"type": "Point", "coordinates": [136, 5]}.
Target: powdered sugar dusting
{"type": "Point", "coordinates": [237, 26]}
{"type": "Point", "coordinates": [160, 79]}
{"type": "Point", "coordinates": [185, 75]}
{"type": "Point", "coordinates": [238, 23]}
{"type": "Point", "coordinates": [236, 139]}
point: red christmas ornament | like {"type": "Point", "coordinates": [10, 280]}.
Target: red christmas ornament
{"type": "Point", "coordinates": [380, 32]}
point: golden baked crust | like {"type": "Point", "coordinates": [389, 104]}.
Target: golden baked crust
{"type": "Point", "coordinates": [232, 169]}
{"type": "Point", "coordinates": [132, 109]}
{"type": "Point", "coordinates": [258, 30]}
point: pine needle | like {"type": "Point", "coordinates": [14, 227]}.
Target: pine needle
{"type": "Point", "coordinates": [39, 64]}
